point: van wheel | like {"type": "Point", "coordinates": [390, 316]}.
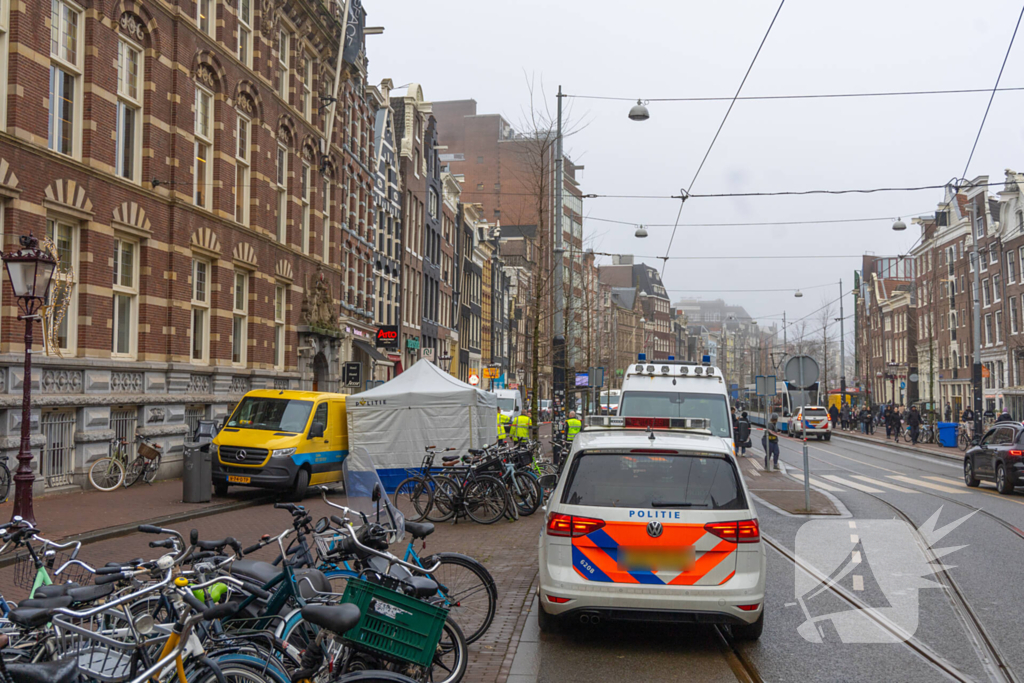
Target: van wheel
{"type": "Point", "coordinates": [749, 631]}
{"type": "Point", "coordinates": [301, 484]}
{"type": "Point", "coordinates": [220, 489]}
{"type": "Point", "coordinates": [828, 437]}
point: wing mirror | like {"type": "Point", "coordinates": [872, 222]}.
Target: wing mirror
{"type": "Point", "coordinates": [316, 431]}
{"type": "Point", "coordinates": [548, 481]}
{"type": "Point", "coordinates": [376, 493]}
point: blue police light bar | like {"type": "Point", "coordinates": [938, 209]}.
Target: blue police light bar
{"type": "Point", "coordinates": [707, 360]}
{"type": "Point", "coordinates": [671, 357]}
{"type": "Point", "coordinates": [641, 356]}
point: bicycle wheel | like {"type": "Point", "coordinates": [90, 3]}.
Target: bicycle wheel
{"type": "Point", "coordinates": [527, 493]}
{"type": "Point", "coordinates": [485, 499]}
{"type": "Point", "coordinates": [133, 471]}
{"type": "Point", "coordinates": [152, 468]}
{"type": "Point", "coordinates": [413, 498]}
{"type": "Point", "coordinates": [452, 655]}
{"type": "Point", "coordinates": [511, 511]}
{"type": "Point", "coordinates": [5, 482]}
{"type": "Point", "coordinates": [106, 474]}
{"type": "Point", "coordinates": [446, 496]}
{"type": "Point", "coordinates": [237, 668]}
{"type": "Point", "coordinates": [468, 590]}
{"type": "Point", "coordinates": [963, 441]}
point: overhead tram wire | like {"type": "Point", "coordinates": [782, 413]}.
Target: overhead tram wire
{"type": "Point", "coordinates": [984, 118]}
{"type": "Point", "coordinates": [754, 223]}
{"type": "Point", "coordinates": [732, 257]}
{"type": "Point", "coordinates": [804, 96]}
{"type": "Point", "coordinates": [682, 200]}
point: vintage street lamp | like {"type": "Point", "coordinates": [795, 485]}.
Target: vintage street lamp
{"type": "Point", "coordinates": [30, 270]}
{"type": "Point", "coordinates": [446, 361]}
{"type": "Point", "coordinates": [639, 111]}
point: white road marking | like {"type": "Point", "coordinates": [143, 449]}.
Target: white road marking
{"type": "Point", "coordinates": [946, 480]}
{"type": "Point", "coordinates": [855, 557]}
{"type": "Point", "coordinates": [852, 484]}
{"type": "Point", "coordinates": [927, 485]}
{"type": "Point", "coordinates": [858, 582]}
{"type": "Point", "coordinates": [853, 525]}
{"type": "Point", "coordinates": [854, 538]}
{"type": "Point", "coordinates": [887, 485]}
{"type": "Point", "coordinates": [753, 472]}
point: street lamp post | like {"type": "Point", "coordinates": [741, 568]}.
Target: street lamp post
{"type": "Point", "coordinates": [30, 270]}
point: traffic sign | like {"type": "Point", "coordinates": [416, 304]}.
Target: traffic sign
{"type": "Point", "coordinates": [801, 372]}
{"type": "Point", "coordinates": [474, 380]}
{"type": "Point", "coordinates": [903, 385]}
{"type": "Point", "coordinates": [765, 385]}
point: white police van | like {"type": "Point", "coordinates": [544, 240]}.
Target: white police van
{"type": "Point", "coordinates": [677, 389]}
{"type": "Point", "coordinates": [651, 521]}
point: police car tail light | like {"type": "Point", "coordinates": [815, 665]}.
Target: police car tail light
{"type": "Point", "coordinates": [560, 601]}
{"type": "Point", "coordinates": [745, 531]}
{"type": "Point", "coordinates": [571, 526]}
{"type": "Point", "coordinates": [749, 608]}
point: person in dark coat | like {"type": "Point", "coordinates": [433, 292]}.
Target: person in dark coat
{"type": "Point", "coordinates": [833, 414]}
{"type": "Point", "coordinates": [1004, 416]}
{"type": "Point", "coordinates": [949, 413]}
{"type": "Point", "coordinates": [914, 422]}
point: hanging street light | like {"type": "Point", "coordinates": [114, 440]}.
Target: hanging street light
{"type": "Point", "coordinates": [798, 294]}
{"type": "Point", "coordinates": [640, 232]}
{"type": "Point", "coordinates": [639, 111]}
{"type": "Point", "coordinates": [30, 270]}
{"type": "Point", "coordinates": [899, 225]}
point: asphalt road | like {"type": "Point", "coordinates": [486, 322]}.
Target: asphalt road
{"type": "Point", "coordinates": [949, 615]}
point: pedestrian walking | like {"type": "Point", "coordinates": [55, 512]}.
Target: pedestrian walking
{"type": "Point", "coordinates": [893, 424]}
{"type": "Point", "coordinates": [1004, 416]}
{"type": "Point", "coordinates": [844, 416]}
{"type": "Point", "coordinates": [742, 434]}
{"type": "Point", "coordinates": [914, 423]}
{"type": "Point", "coordinates": [833, 415]}
{"type": "Point", "coordinates": [770, 443]}
{"type": "Point", "coordinates": [949, 412]}
{"type": "Point", "coordinates": [887, 416]}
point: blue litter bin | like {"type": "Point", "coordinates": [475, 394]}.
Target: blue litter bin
{"type": "Point", "coordinates": [947, 434]}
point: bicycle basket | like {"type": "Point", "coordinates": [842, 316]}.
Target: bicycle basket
{"type": "Point", "coordinates": [103, 644]}
{"type": "Point", "coordinates": [333, 543]}
{"type": "Point", "coordinates": [394, 624]}
{"type": "Point", "coordinates": [25, 570]}
{"type": "Point", "coordinates": [147, 451]}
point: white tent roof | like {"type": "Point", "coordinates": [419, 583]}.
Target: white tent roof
{"type": "Point", "coordinates": [422, 384]}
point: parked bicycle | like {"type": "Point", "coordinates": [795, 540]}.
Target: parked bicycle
{"type": "Point", "coordinates": [106, 474]}
{"type": "Point", "coordinates": [926, 433]}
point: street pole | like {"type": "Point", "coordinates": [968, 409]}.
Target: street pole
{"type": "Point", "coordinates": [23, 477]}
{"type": "Point", "coordinates": [976, 369]}
{"type": "Point", "coordinates": [559, 210]}
{"type": "Point", "coordinates": [842, 351]}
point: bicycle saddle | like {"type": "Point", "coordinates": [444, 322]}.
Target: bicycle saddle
{"type": "Point", "coordinates": [46, 603]}
{"type": "Point", "coordinates": [29, 618]}
{"type": "Point", "coordinates": [422, 587]}
{"type": "Point", "coordinates": [449, 458]}
{"type": "Point", "coordinates": [59, 671]}
{"type": "Point", "coordinates": [264, 572]}
{"type": "Point", "coordinates": [419, 529]}
{"type": "Point", "coordinates": [55, 590]}
{"type": "Point", "coordinates": [90, 593]}
{"type": "Point", "coordinates": [335, 618]}
{"type": "Point", "coordinates": [476, 451]}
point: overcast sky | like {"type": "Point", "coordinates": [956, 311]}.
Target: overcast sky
{"type": "Point", "coordinates": [682, 48]}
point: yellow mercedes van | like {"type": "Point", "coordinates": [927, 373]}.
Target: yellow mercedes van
{"type": "Point", "coordinates": [284, 440]}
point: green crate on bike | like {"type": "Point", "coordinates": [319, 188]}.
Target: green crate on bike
{"type": "Point", "coordinates": [394, 624]}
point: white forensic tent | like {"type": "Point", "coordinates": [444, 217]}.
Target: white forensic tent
{"type": "Point", "coordinates": [423, 406]}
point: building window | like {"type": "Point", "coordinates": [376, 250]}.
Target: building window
{"type": "Point", "coordinates": [126, 291]}
{"type": "Point", "coordinates": [279, 323]}
{"type": "Point", "coordinates": [65, 237]}
{"type": "Point", "coordinates": [284, 41]}
{"type": "Point", "coordinates": [999, 327]}
{"type": "Point", "coordinates": [245, 32]}
{"type": "Point", "coordinates": [129, 104]}
{"type": "Point", "coordinates": [327, 221]}
{"type": "Point", "coordinates": [200, 311]}
{"type": "Point", "coordinates": [1011, 268]}
{"type": "Point", "coordinates": [5, 15]}
{"type": "Point", "coordinates": [306, 102]}
{"type": "Point", "coordinates": [240, 319]}
{"type": "Point", "coordinates": [205, 16]}
{"type": "Point", "coordinates": [993, 257]}
{"type": "Point", "coordinates": [203, 171]}
{"type": "Point", "coordinates": [986, 293]}
{"type": "Point", "coordinates": [997, 287]}
{"type": "Point", "coordinates": [305, 208]}
{"type": "Point", "coordinates": [432, 203]}
{"type": "Point", "coordinates": [282, 193]}
{"type": "Point", "coordinates": [242, 175]}
{"type": "Point", "coordinates": [988, 329]}
{"type": "Point", "coordinates": [1014, 316]}
{"type": "Point", "coordinates": [65, 57]}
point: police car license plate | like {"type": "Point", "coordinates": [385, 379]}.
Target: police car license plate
{"type": "Point", "coordinates": [234, 479]}
{"type": "Point", "coordinates": [656, 559]}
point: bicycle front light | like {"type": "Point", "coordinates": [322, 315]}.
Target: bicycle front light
{"type": "Point", "coordinates": [282, 453]}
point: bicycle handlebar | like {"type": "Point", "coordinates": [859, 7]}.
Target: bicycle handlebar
{"type": "Point", "coordinates": [389, 557]}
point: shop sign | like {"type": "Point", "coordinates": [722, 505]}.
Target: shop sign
{"type": "Point", "coordinates": [387, 337]}
{"type": "Point", "coordinates": [412, 343]}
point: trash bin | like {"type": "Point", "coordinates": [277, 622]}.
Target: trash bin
{"type": "Point", "coordinates": [197, 472]}
{"type": "Point", "coordinates": [947, 434]}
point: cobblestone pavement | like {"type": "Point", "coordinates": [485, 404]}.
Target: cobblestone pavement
{"type": "Point", "coordinates": [509, 550]}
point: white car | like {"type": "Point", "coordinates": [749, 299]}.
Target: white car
{"type": "Point", "coordinates": [812, 421]}
{"type": "Point", "coordinates": [651, 525]}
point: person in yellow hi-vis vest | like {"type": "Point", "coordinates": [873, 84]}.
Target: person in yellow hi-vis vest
{"type": "Point", "coordinates": [521, 428]}
{"type": "Point", "coordinates": [572, 426]}
{"type": "Point", "coordinates": [503, 421]}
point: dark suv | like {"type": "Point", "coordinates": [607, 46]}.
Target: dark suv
{"type": "Point", "coordinates": [999, 458]}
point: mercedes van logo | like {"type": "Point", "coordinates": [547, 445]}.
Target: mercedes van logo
{"type": "Point", "coordinates": [654, 529]}
{"type": "Point", "coordinates": [240, 456]}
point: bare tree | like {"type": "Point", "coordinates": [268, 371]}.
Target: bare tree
{"type": "Point", "coordinates": [825, 320]}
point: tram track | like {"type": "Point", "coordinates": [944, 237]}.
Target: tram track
{"type": "Point", "coordinates": [988, 653]}
{"type": "Point", "coordinates": [738, 662]}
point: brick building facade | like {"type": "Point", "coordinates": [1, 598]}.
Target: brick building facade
{"type": "Point", "coordinates": [175, 155]}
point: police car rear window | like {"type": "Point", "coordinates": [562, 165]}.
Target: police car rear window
{"type": "Point", "coordinates": [631, 480]}
{"type": "Point", "coordinates": [815, 412]}
{"type": "Point", "coordinates": [712, 407]}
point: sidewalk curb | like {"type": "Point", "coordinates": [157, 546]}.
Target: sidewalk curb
{"type": "Point", "coordinates": [900, 447]}
{"type": "Point", "coordinates": [120, 530]}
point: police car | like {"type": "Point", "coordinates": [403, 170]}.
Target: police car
{"type": "Point", "coordinates": [811, 421]}
{"type": "Point", "coordinates": [651, 521]}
